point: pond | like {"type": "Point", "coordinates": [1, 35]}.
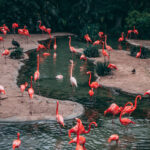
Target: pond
{"type": "Point", "coordinates": [47, 135]}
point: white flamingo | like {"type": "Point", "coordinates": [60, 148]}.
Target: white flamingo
{"type": "Point", "coordinates": [73, 80]}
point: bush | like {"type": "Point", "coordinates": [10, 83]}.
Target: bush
{"type": "Point", "coordinates": [91, 51]}
{"type": "Point", "coordinates": [17, 54]}
{"type": "Point", "coordinates": [102, 69]}
{"type": "Point", "coordinates": [145, 53]}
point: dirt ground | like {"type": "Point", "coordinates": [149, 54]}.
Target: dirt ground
{"type": "Point", "coordinates": [123, 78]}
{"type": "Point", "coordinates": [13, 106]}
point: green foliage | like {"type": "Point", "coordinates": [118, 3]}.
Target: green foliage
{"type": "Point", "coordinates": [102, 69]}
{"type": "Point", "coordinates": [91, 51]}
{"type": "Point", "coordinates": [17, 54]}
{"type": "Point", "coordinates": [145, 53]}
{"type": "Point", "coordinates": [141, 21]}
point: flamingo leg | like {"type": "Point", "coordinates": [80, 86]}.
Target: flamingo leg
{"type": "Point", "coordinates": [84, 147]}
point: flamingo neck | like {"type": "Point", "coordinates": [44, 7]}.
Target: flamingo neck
{"type": "Point", "coordinates": [90, 79]}
{"type": "Point", "coordinates": [38, 62]}
{"type": "Point", "coordinates": [70, 42]}
{"type": "Point", "coordinates": [18, 137]}
{"type": "Point", "coordinates": [71, 69]}
{"type": "Point", "coordinates": [105, 40]}
{"type": "Point", "coordinates": [31, 81]}
{"type": "Point", "coordinates": [135, 103]}
{"type": "Point", "coordinates": [57, 108]}
{"type": "Point", "coordinates": [89, 127]}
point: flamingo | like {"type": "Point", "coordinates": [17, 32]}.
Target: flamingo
{"type": "Point", "coordinates": [112, 66]}
{"type": "Point", "coordinates": [73, 80]}
{"type": "Point", "coordinates": [82, 141]}
{"type": "Point", "coordinates": [40, 46]}
{"type": "Point", "coordinates": [78, 146]}
{"type": "Point", "coordinates": [6, 28]}
{"type": "Point", "coordinates": [5, 53]}
{"type": "Point", "coordinates": [138, 55]}
{"type": "Point", "coordinates": [30, 90]}
{"type": "Point", "coordinates": [135, 31]}
{"type": "Point", "coordinates": [129, 33]}
{"type": "Point", "coordinates": [101, 35]}
{"type": "Point", "coordinates": [72, 49]}
{"type": "Point", "coordinates": [14, 26]}
{"type": "Point", "coordinates": [20, 31]}
{"type": "Point", "coordinates": [125, 121]}
{"type": "Point", "coordinates": [109, 48]}
{"type": "Point", "coordinates": [113, 109]}
{"type": "Point", "coordinates": [43, 28]}
{"type": "Point", "coordinates": [46, 54]}
{"type": "Point", "coordinates": [130, 109]}
{"type": "Point", "coordinates": [59, 117]}
{"type": "Point", "coordinates": [2, 90]}
{"type": "Point", "coordinates": [121, 38]}
{"type": "Point", "coordinates": [83, 57]}
{"type": "Point", "coordinates": [104, 53]}
{"type": "Point", "coordinates": [97, 42]}
{"type": "Point", "coordinates": [81, 128]}
{"type": "Point", "coordinates": [48, 30]}
{"type": "Point", "coordinates": [87, 38]}
{"type": "Point", "coordinates": [91, 92]}
{"type": "Point", "coordinates": [37, 73]}
{"type": "Point", "coordinates": [17, 142]}
{"type": "Point", "coordinates": [60, 77]}
{"type": "Point", "coordinates": [94, 84]}
{"type": "Point", "coordinates": [147, 93]}
{"type": "Point", "coordinates": [23, 87]}
{"type": "Point", "coordinates": [55, 45]}
{"type": "Point", "coordinates": [114, 137]}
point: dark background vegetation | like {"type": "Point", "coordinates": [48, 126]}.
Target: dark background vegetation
{"type": "Point", "coordinates": [79, 16]}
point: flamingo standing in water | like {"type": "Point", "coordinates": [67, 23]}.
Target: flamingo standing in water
{"type": "Point", "coordinates": [82, 141]}
{"type": "Point", "coordinates": [114, 137]}
{"type": "Point", "coordinates": [37, 73]}
{"type": "Point", "coordinates": [17, 142]}
{"type": "Point", "coordinates": [40, 46]}
{"type": "Point", "coordinates": [59, 117]}
{"type": "Point", "coordinates": [113, 109]}
{"type": "Point", "coordinates": [72, 49]}
{"type": "Point", "coordinates": [121, 39]}
{"type": "Point", "coordinates": [130, 109]}
{"type": "Point", "coordinates": [43, 28]}
{"type": "Point", "coordinates": [48, 30]}
{"type": "Point", "coordinates": [125, 121]}
{"type": "Point", "coordinates": [30, 90]}
{"type": "Point", "coordinates": [55, 45]}
{"type": "Point", "coordinates": [81, 128]}
{"type": "Point", "coordinates": [73, 80]}
{"type": "Point", "coordinates": [5, 53]}
{"type": "Point", "coordinates": [94, 84]}
{"type": "Point", "coordinates": [23, 87]}
{"type": "Point", "coordinates": [138, 55]}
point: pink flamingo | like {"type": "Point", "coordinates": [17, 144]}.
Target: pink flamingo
{"type": "Point", "coordinates": [37, 73]}
{"type": "Point", "coordinates": [73, 80]}
{"type": "Point", "coordinates": [130, 109]}
{"type": "Point", "coordinates": [125, 121]}
{"type": "Point", "coordinates": [5, 53]}
{"type": "Point", "coordinates": [112, 66]}
{"type": "Point", "coordinates": [121, 39]}
{"type": "Point", "coordinates": [91, 92]}
{"type": "Point", "coordinates": [147, 93]}
{"type": "Point", "coordinates": [17, 142]}
{"type": "Point", "coordinates": [23, 87]}
{"type": "Point", "coordinates": [46, 54]}
{"type": "Point", "coordinates": [114, 137]}
{"type": "Point", "coordinates": [40, 46]}
{"type": "Point", "coordinates": [129, 33]}
{"type": "Point", "coordinates": [55, 45]}
{"type": "Point", "coordinates": [104, 53]}
{"type": "Point", "coordinates": [135, 31]}
{"type": "Point", "coordinates": [138, 55]}
{"type": "Point", "coordinates": [83, 57]}
{"type": "Point", "coordinates": [14, 26]}
{"type": "Point", "coordinates": [72, 49]}
{"type": "Point", "coordinates": [59, 117]}
{"type": "Point", "coordinates": [30, 90]}
{"type": "Point", "coordinates": [48, 30]}
{"type": "Point", "coordinates": [87, 38]}
{"type": "Point", "coordinates": [43, 28]}
{"type": "Point", "coordinates": [109, 48]}
{"type": "Point", "coordinates": [60, 77]}
{"type": "Point", "coordinates": [94, 84]}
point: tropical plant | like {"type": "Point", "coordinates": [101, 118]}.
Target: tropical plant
{"type": "Point", "coordinates": [17, 54]}
{"type": "Point", "coordinates": [92, 51]}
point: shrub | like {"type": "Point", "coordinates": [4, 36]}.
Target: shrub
{"type": "Point", "coordinates": [91, 51]}
{"type": "Point", "coordinates": [17, 54]}
{"type": "Point", "coordinates": [145, 53]}
{"type": "Point", "coordinates": [102, 69]}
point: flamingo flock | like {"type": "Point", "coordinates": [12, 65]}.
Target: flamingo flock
{"type": "Point", "coordinates": [79, 128]}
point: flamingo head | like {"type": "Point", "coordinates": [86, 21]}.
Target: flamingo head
{"type": "Point", "coordinates": [18, 134]}
{"type": "Point", "coordinates": [139, 96]}
{"type": "Point", "coordinates": [89, 72]}
{"type": "Point", "coordinates": [71, 61]}
{"type": "Point", "coordinates": [78, 120]}
{"type": "Point", "coordinates": [69, 37]}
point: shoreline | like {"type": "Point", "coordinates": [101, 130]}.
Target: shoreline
{"type": "Point", "coordinates": [14, 107]}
